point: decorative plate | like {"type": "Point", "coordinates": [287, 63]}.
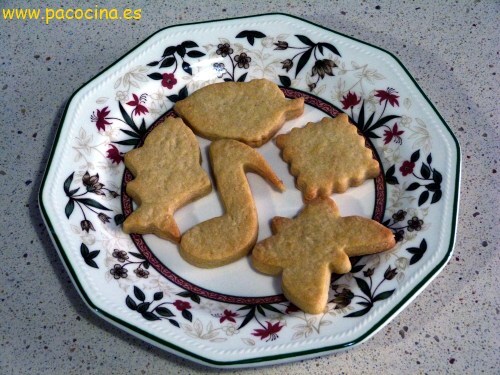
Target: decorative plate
{"type": "Point", "coordinates": [234, 316]}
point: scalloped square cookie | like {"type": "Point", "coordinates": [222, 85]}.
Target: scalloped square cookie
{"type": "Point", "coordinates": [327, 157]}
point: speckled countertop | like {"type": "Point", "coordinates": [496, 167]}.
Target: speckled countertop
{"type": "Point", "coordinates": [451, 48]}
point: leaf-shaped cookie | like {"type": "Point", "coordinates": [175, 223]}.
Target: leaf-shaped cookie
{"type": "Point", "coordinates": [167, 175]}
{"type": "Point", "coordinates": [250, 112]}
{"type": "Point", "coordinates": [327, 157]}
{"type": "Point", "coordinates": [308, 248]}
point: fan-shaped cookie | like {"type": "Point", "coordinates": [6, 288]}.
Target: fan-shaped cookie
{"type": "Point", "coordinates": [250, 112]}
{"type": "Point", "coordinates": [308, 248]}
{"type": "Point", "coordinates": [167, 175]}
{"type": "Point", "coordinates": [327, 157]}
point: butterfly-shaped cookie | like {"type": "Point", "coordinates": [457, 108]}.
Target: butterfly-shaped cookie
{"type": "Point", "coordinates": [307, 249]}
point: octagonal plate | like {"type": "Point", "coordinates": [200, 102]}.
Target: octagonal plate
{"type": "Point", "coordinates": [234, 316]}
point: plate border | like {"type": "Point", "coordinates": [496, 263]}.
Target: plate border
{"type": "Point", "coordinates": [263, 360]}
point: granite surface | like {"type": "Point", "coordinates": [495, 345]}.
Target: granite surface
{"type": "Point", "coordinates": [452, 50]}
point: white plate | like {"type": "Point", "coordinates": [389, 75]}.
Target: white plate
{"type": "Point", "coordinates": [234, 316]}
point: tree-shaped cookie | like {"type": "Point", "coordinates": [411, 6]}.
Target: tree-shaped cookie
{"type": "Point", "coordinates": [327, 157]}
{"type": "Point", "coordinates": [250, 112]}
{"type": "Point", "coordinates": [167, 175]}
{"type": "Point", "coordinates": [308, 248]}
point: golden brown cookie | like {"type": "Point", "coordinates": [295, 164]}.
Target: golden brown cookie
{"type": "Point", "coordinates": [167, 175]}
{"type": "Point", "coordinates": [327, 157]}
{"type": "Point", "coordinates": [227, 238]}
{"type": "Point", "coordinates": [308, 248]}
{"type": "Point", "coordinates": [250, 112]}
